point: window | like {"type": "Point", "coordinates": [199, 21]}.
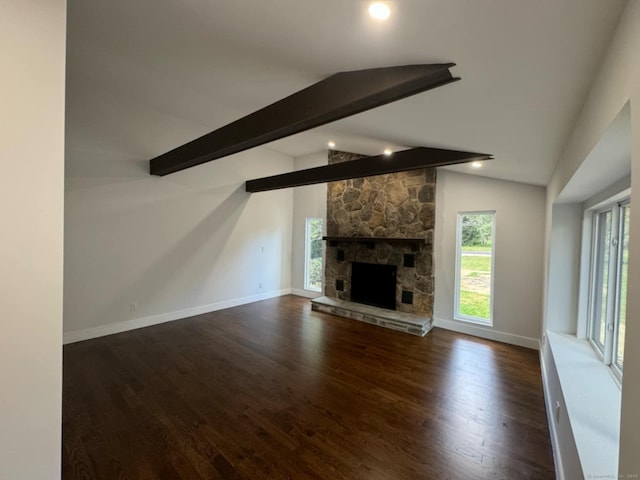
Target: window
{"type": "Point", "coordinates": [474, 267]}
{"type": "Point", "coordinates": [313, 255]}
{"type": "Point", "coordinates": [608, 284]}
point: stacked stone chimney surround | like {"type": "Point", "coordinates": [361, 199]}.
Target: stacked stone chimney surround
{"type": "Point", "coordinates": [398, 205]}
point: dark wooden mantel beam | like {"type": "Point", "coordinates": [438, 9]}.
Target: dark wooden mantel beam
{"type": "Point", "coordinates": [338, 96]}
{"type": "Point", "coordinates": [413, 159]}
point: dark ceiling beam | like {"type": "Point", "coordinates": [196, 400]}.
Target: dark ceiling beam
{"type": "Point", "coordinates": [415, 158]}
{"type": "Point", "coordinates": [338, 96]}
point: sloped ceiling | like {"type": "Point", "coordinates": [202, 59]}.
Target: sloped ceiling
{"type": "Point", "coordinates": [526, 67]}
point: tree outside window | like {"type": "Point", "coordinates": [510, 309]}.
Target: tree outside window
{"type": "Point", "coordinates": [313, 263]}
{"type": "Point", "coordinates": [474, 275]}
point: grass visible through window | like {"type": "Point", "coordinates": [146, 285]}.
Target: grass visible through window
{"type": "Point", "coordinates": [475, 283]}
{"type": "Point", "coordinates": [474, 287]}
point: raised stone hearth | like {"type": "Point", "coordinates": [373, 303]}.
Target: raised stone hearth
{"type": "Point", "coordinates": [403, 322]}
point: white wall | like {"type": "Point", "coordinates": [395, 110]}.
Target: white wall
{"type": "Point", "coordinates": [630, 420]}
{"type": "Point", "coordinates": [518, 260]}
{"type": "Point", "coordinates": [618, 81]}
{"type": "Point", "coordinates": [142, 249]}
{"type": "Point", "coordinates": [308, 201]}
{"type": "Point", "coordinates": [564, 267]}
{"type": "Point", "coordinates": [32, 59]}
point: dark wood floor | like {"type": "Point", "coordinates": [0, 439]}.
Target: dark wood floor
{"type": "Point", "coordinates": [273, 390]}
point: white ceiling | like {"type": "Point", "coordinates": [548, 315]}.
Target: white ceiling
{"type": "Point", "coordinates": [526, 67]}
{"type": "Point", "coordinates": [613, 150]}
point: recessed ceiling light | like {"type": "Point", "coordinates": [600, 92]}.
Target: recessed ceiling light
{"type": "Point", "coordinates": [379, 11]}
{"type": "Point", "coordinates": [387, 152]}
{"type": "Point", "coordinates": [476, 164]}
{"type": "Point", "coordinates": [331, 144]}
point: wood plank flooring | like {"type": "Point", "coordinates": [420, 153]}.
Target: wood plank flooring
{"type": "Point", "coordinates": [272, 390]}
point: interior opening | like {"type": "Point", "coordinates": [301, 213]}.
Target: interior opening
{"type": "Point", "coordinates": [374, 284]}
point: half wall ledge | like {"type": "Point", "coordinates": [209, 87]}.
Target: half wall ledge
{"type": "Point", "coordinates": [402, 322]}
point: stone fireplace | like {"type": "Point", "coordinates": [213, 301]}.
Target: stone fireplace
{"type": "Point", "coordinates": [382, 220]}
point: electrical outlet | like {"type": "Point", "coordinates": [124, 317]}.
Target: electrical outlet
{"type": "Point", "coordinates": [133, 307]}
{"type": "Point", "coordinates": [260, 285]}
{"type": "Point", "coordinates": [261, 248]}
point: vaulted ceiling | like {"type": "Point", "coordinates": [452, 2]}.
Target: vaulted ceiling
{"type": "Point", "coordinates": [526, 67]}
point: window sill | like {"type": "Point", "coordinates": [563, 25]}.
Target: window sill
{"type": "Point", "coordinates": [587, 385]}
{"type": "Point", "coordinates": [473, 320]}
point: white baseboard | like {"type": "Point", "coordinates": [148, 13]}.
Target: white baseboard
{"type": "Point", "coordinates": [110, 329]}
{"type": "Point", "coordinates": [486, 333]}
{"type": "Point", "coordinates": [305, 293]}
{"type": "Point", "coordinates": [555, 442]}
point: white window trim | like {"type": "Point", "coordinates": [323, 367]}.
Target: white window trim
{"type": "Point", "coordinates": [307, 254]}
{"type": "Point", "coordinates": [595, 244]}
{"type": "Point", "coordinates": [456, 288]}
{"type": "Point", "coordinates": [606, 356]}
{"type": "Point", "coordinates": [617, 370]}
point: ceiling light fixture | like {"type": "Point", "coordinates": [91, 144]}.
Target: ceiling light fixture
{"type": "Point", "coordinates": [387, 152]}
{"type": "Point", "coordinates": [379, 11]}
{"type": "Point", "coordinates": [476, 164]}
{"type": "Point", "coordinates": [331, 144]}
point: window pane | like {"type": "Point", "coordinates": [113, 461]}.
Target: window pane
{"type": "Point", "coordinates": [622, 286]}
{"type": "Point", "coordinates": [313, 263]}
{"type": "Point", "coordinates": [475, 250]}
{"type": "Point", "coordinates": [601, 277]}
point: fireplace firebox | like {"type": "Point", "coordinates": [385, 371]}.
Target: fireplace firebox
{"type": "Point", "coordinates": [374, 284]}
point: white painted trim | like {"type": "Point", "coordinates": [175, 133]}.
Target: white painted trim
{"type": "Point", "coordinates": [133, 324]}
{"type": "Point", "coordinates": [586, 385]}
{"type": "Point", "coordinates": [307, 248]}
{"type": "Point", "coordinates": [489, 334]}
{"type": "Point", "coordinates": [555, 442]}
{"type": "Point", "coordinates": [456, 286]}
{"type": "Point", "coordinates": [305, 293]}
